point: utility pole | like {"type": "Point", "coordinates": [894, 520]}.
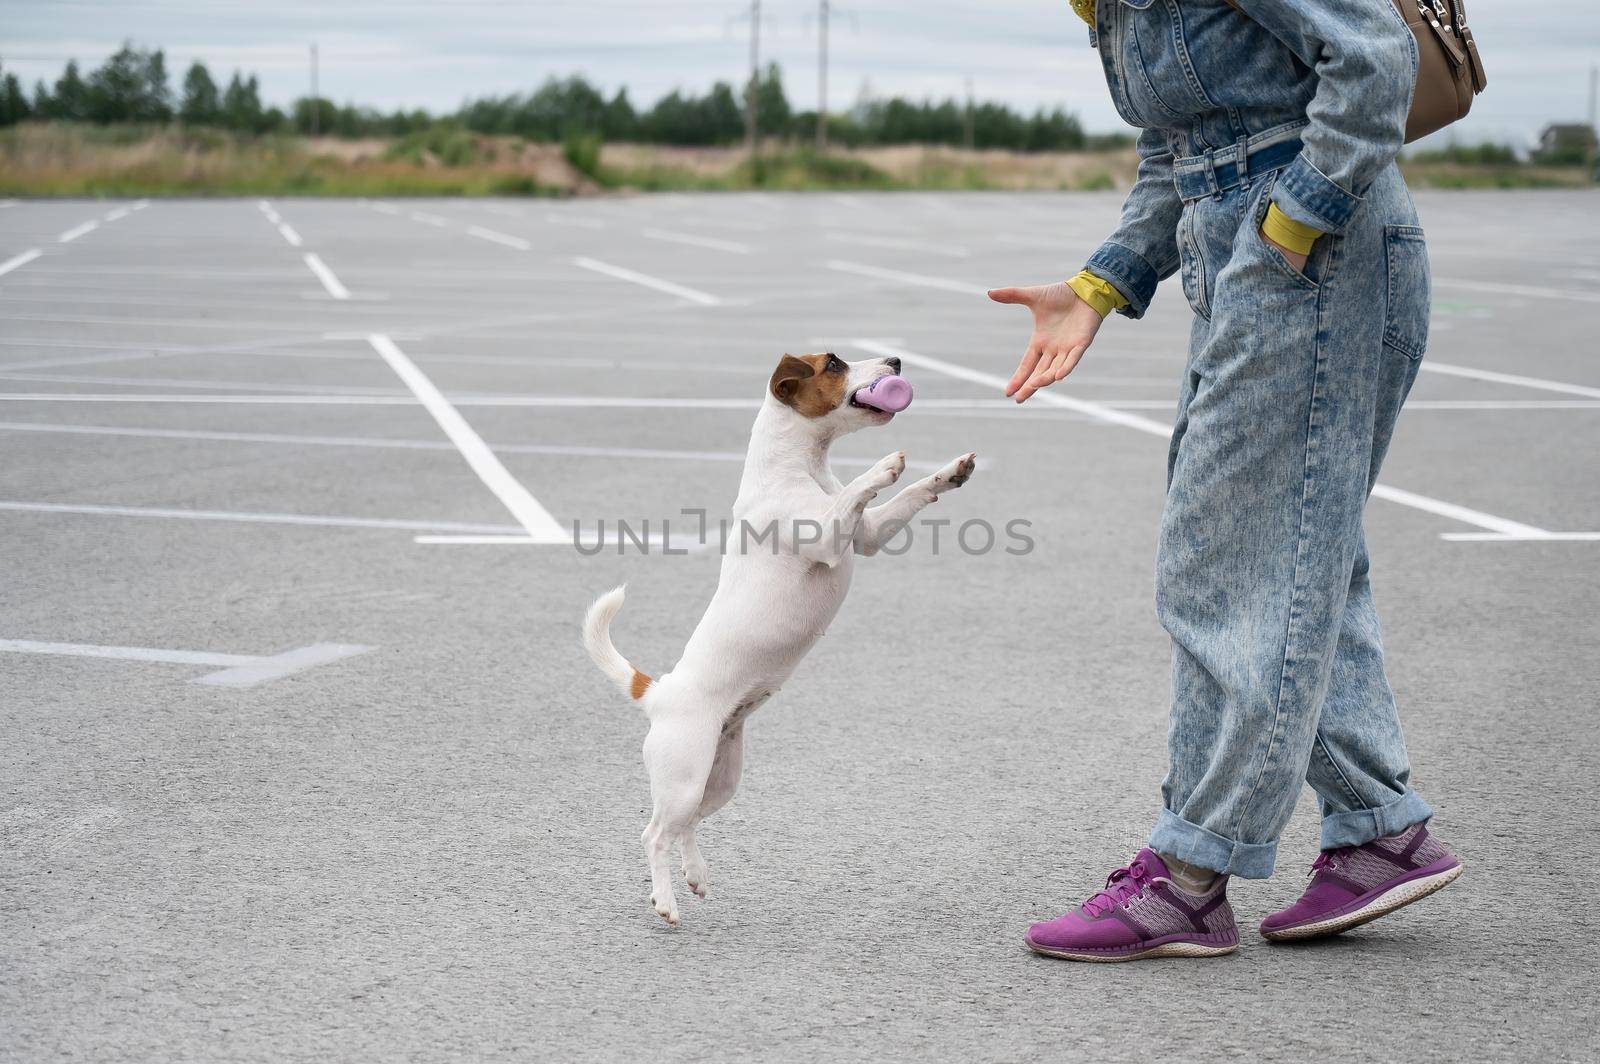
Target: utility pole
{"type": "Point", "coordinates": [822, 76]}
{"type": "Point", "coordinates": [755, 77]}
{"type": "Point", "coordinates": [316, 101]}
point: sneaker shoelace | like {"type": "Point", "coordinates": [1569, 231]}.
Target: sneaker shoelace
{"type": "Point", "coordinates": [1121, 885]}
{"type": "Point", "coordinates": [1329, 859]}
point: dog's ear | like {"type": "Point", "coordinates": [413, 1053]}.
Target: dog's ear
{"type": "Point", "coordinates": [787, 377]}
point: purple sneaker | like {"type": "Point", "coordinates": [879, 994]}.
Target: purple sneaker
{"type": "Point", "coordinates": [1355, 884]}
{"type": "Point", "coordinates": [1141, 913]}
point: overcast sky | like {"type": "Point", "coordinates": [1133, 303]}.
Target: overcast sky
{"type": "Point", "coordinates": [410, 53]}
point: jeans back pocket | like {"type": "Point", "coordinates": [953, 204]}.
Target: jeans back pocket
{"type": "Point", "coordinates": [1410, 290]}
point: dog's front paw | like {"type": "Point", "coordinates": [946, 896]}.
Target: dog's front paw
{"type": "Point", "coordinates": [956, 473]}
{"type": "Point", "coordinates": [887, 471]}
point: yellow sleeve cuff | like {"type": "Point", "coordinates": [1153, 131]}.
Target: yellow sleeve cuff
{"type": "Point", "coordinates": [1296, 236]}
{"type": "Point", "coordinates": [1098, 292]}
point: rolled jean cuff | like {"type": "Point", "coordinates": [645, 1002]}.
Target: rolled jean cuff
{"type": "Point", "coordinates": [1306, 194]}
{"type": "Point", "coordinates": [1176, 837]}
{"type": "Point", "coordinates": [1128, 272]}
{"type": "Point", "coordinates": [1355, 826]}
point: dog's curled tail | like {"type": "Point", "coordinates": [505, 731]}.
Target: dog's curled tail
{"type": "Point", "coordinates": [597, 641]}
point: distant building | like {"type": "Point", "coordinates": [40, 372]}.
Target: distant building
{"type": "Point", "coordinates": [1566, 144]}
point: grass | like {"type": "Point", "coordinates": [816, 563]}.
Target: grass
{"type": "Point", "coordinates": [70, 160]}
{"type": "Point", "coordinates": [60, 159]}
{"type": "Point", "coordinates": [1493, 175]}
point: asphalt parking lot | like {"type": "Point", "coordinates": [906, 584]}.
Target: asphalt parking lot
{"type": "Point", "coordinates": [302, 759]}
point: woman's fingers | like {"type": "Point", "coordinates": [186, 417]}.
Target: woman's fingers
{"type": "Point", "coordinates": [1012, 295]}
{"type": "Point", "coordinates": [1024, 368]}
{"type": "Point", "coordinates": [1069, 361]}
{"type": "Point", "coordinates": [1050, 371]}
{"type": "Point", "coordinates": [1053, 366]}
{"type": "Point", "coordinates": [1039, 378]}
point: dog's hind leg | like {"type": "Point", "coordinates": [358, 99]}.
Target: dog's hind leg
{"type": "Point", "coordinates": [679, 753]}
{"type": "Point", "coordinates": [720, 785]}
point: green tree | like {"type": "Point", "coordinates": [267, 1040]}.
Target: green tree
{"type": "Point", "coordinates": [773, 115]}
{"type": "Point", "coordinates": [70, 101]}
{"type": "Point", "coordinates": [14, 106]}
{"type": "Point", "coordinates": [321, 114]}
{"type": "Point", "coordinates": [620, 121]}
{"type": "Point", "coordinates": [202, 103]}
{"type": "Point", "coordinates": [131, 86]}
{"type": "Point", "coordinates": [241, 105]}
{"type": "Point", "coordinates": [715, 118]}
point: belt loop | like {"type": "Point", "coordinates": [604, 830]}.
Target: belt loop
{"type": "Point", "coordinates": [1243, 151]}
{"type": "Point", "coordinates": [1213, 188]}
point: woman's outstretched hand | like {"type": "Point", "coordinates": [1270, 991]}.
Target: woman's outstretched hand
{"type": "Point", "coordinates": [1063, 328]}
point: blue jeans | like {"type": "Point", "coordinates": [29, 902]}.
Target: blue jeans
{"type": "Point", "coordinates": [1289, 398]}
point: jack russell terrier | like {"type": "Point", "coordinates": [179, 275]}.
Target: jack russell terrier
{"type": "Point", "coordinates": [773, 601]}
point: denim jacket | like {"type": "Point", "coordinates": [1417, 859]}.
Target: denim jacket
{"type": "Point", "coordinates": [1207, 85]}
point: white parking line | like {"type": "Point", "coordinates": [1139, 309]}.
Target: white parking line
{"type": "Point", "coordinates": [429, 219]}
{"type": "Point", "coordinates": [481, 541]}
{"type": "Point", "coordinates": [896, 244]}
{"type": "Point", "coordinates": [693, 295]}
{"type": "Point", "coordinates": [76, 231]}
{"type": "Point", "coordinates": [247, 400]}
{"type": "Point", "coordinates": [579, 538]}
{"type": "Point", "coordinates": [120, 212]}
{"type": "Point", "coordinates": [1456, 513]}
{"type": "Point", "coordinates": [201, 384]}
{"type": "Point", "coordinates": [1411, 404]}
{"type": "Point", "coordinates": [582, 223]}
{"type": "Point", "coordinates": [251, 517]}
{"type": "Point", "coordinates": [325, 275]}
{"type": "Point", "coordinates": [1497, 377]}
{"type": "Point", "coordinates": [289, 234]}
{"type": "Point", "coordinates": [1542, 537]}
{"type": "Point", "coordinates": [19, 260]}
{"type": "Point", "coordinates": [236, 670]}
{"type": "Point", "coordinates": [391, 443]}
{"type": "Point", "coordinates": [499, 238]}
{"type": "Point", "coordinates": [1528, 291]}
{"type": "Point", "coordinates": [668, 235]}
{"type": "Point", "coordinates": [1463, 514]}
{"type": "Point", "coordinates": [80, 360]}
{"type": "Point", "coordinates": [1502, 404]}
{"type": "Point", "coordinates": [533, 517]}
{"type": "Point", "coordinates": [901, 277]}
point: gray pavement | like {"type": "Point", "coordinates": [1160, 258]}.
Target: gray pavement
{"type": "Point", "coordinates": [428, 850]}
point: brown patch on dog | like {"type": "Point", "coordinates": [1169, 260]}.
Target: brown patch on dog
{"type": "Point", "coordinates": [640, 682]}
{"type": "Point", "coordinates": [805, 383]}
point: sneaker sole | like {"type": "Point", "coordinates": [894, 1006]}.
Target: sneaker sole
{"type": "Point", "coordinates": [1382, 905]}
{"type": "Point", "coordinates": [1168, 949]}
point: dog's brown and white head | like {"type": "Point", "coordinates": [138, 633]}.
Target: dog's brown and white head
{"type": "Point", "coordinates": [821, 388]}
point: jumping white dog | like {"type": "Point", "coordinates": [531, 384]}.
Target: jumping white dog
{"type": "Point", "coordinates": [775, 597]}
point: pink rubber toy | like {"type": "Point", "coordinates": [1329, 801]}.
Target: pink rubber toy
{"type": "Point", "coordinates": [889, 394]}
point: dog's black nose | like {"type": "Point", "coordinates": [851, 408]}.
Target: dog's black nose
{"type": "Point", "coordinates": [894, 364]}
